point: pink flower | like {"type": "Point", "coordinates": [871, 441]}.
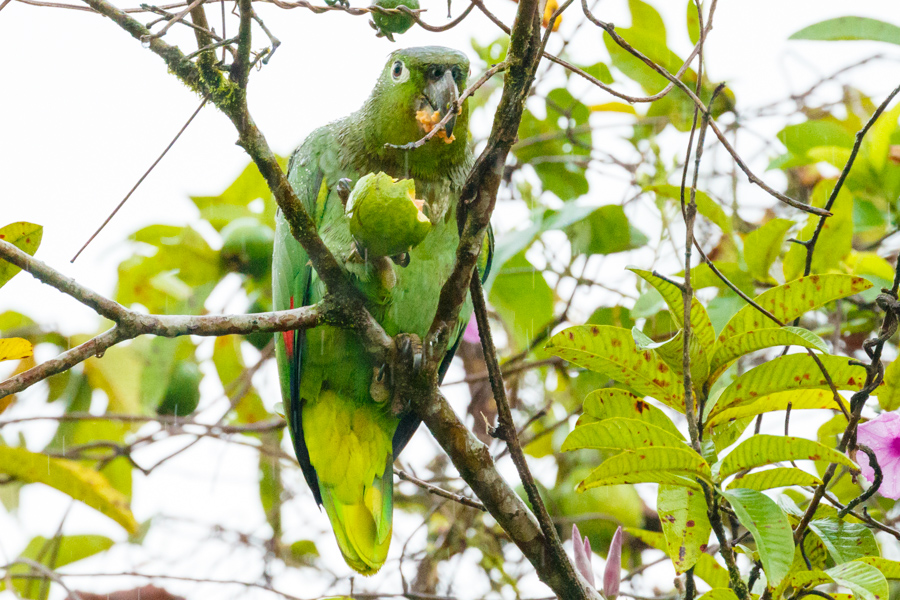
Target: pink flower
{"type": "Point", "coordinates": [582, 551]}
{"type": "Point", "coordinates": [882, 435]}
{"type": "Point", "coordinates": [471, 334]}
{"type": "Point", "coordinates": [612, 574]}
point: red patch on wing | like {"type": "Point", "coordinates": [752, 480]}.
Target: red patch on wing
{"type": "Point", "coordinates": [289, 337]}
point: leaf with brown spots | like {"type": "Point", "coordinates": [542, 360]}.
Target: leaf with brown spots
{"type": "Point", "coordinates": [785, 373]}
{"type": "Point", "coordinates": [798, 399]}
{"type": "Point", "coordinates": [611, 351]}
{"type": "Point", "coordinates": [671, 466]}
{"type": "Point", "coordinates": [789, 301]}
{"type": "Point", "coordinates": [865, 581]}
{"type": "Point", "coordinates": [620, 434]}
{"type": "Point", "coordinates": [24, 236]}
{"type": "Point", "coordinates": [701, 327]}
{"type": "Point", "coordinates": [706, 568]}
{"type": "Point", "coordinates": [682, 513]}
{"type": "Point", "coordinates": [762, 450]}
{"type": "Point", "coordinates": [889, 568]}
{"type": "Point", "coordinates": [774, 478]}
{"type": "Point", "coordinates": [731, 349]}
{"type": "Point", "coordinates": [608, 403]}
{"type": "Point", "coordinates": [672, 353]}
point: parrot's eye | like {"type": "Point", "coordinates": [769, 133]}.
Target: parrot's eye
{"type": "Point", "coordinates": [399, 72]}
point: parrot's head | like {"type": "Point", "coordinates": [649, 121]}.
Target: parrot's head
{"type": "Point", "coordinates": [416, 89]}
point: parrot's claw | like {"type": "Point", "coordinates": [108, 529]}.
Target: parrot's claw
{"type": "Point", "coordinates": [343, 190]}
{"type": "Point", "coordinates": [408, 360]}
{"type": "Point", "coordinates": [401, 259]}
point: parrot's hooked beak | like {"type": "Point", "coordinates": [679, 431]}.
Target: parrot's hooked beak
{"type": "Point", "coordinates": [441, 93]}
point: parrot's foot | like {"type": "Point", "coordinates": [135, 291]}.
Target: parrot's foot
{"type": "Point", "coordinates": [380, 389]}
{"type": "Point", "coordinates": [409, 361]}
{"type": "Point", "coordinates": [401, 259]}
{"type": "Point", "coordinates": [344, 186]}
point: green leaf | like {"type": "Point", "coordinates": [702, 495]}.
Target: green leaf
{"type": "Point", "coordinates": [620, 434]}
{"type": "Point", "coordinates": [889, 568]}
{"type": "Point", "coordinates": [719, 594]}
{"type": "Point", "coordinates": [850, 28]}
{"type": "Point", "coordinates": [608, 403]}
{"type": "Point", "coordinates": [865, 581]}
{"type": "Point", "coordinates": [523, 299]}
{"type": "Point", "coordinates": [762, 450]}
{"type": "Point", "coordinates": [605, 231]}
{"type": "Point", "coordinates": [672, 352]}
{"type": "Point", "coordinates": [682, 513]}
{"type": "Point", "coordinates": [24, 236]}
{"type": "Point", "coordinates": [770, 529]}
{"type": "Point", "coordinates": [773, 478]}
{"type": "Point", "coordinates": [793, 299]}
{"type": "Point", "coordinates": [762, 247]}
{"type": "Point", "coordinates": [845, 541]}
{"type": "Point", "coordinates": [889, 395]}
{"type": "Point", "coordinates": [798, 399]}
{"type": "Point", "coordinates": [693, 26]}
{"type": "Point", "coordinates": [835, 241]}
{"type": "Point", "coordinates": [706, 568]}
{"type": "Point", "coordinates": [700, 325]}
{"type": "Point", "coordinates": [54, 553]}
{"type": "Point", "coordinates": [671, 466]}
{"type": "Point", "coordinates": [785, 373]}
{"type": "Point", "coordinates": [611, 351]}
{"type": "Point", "coordinates": [71, 479]}
{"type": "Point", "coordinates": [706, 206]}
{"type": "Point", "coordinates": [736, 346]}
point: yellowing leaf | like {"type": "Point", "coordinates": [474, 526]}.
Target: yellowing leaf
{"type": "Point", "coordinates": [773, 478]}
{"type": "Point", "coordinates": [869, 263]}
{"type": "Point", "coordinates": [706, 206]}
{"type": "Point", "coordinates": [865, 581]}
{"type": "Point", "coordinates": [611, 351]}
{"type": "Point", "coordinates": [785, 373]}
{"type": "Point", "coordinates": [24, 236]}
{"type": "Point", "coordinates": [798, 399]}
{"type": "Point", "coordinates": [762, 247]}
{"type": "Point", "coordinates": [719, 594]}
{"type": "Point", "coordinates": [620, 434]}
{"type": "Point", "coordinates": [889, 395]}
{"type": "Point", "coordinates": [682, 513]}
{"type": "Point", "coordinates": [613, 107]}
{"type": "Point", "coordinates": [789, 301]}
{"type": "Point", "coordinates": [650, 465]}
{"type": "Point", "coordinates": [69, 478]}
{"type": "Point", "coordinates": [762, 450]}
{"type": "Point", "coordinates": [15, 349]}
{"type": "Point", "coordinates": [608, 403]}
{"type": "Point", "coordinates": [889, 568]}
{"type": "Point", "coordinates": [733, 348]}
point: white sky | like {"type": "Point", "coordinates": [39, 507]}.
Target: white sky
{"type": "Point", "coordinates": [84, 110]}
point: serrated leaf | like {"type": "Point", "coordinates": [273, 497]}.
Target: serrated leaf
{"type": "Point", "coordinates": [611, 351]}
{"type": "Point", "coordinates": [762, 450]}
{"type": "Point", "coordinates": [785, 373]}
{"type": "Point", "coordinates": [773, 478]}
{"type": "Point", "coordinates": [845, 541]}
{"type": "Point", "coordinates": [762, 247]}
{"type": "Point", "coordinates": [791, 300]}
{"type": "Point", "coordinates": [731, 349]}
{"type": "Point", "coordinates": [798, 400]}
{"type": "Point", "coordinates": [608, 403]}
{"type": "Point", "coordinates": [654, 465]}
{"type": "Point", "coordinates": [620, 434]}
{"type": "Point", "coordinates": [15, 349]}
{"type": "Point", "coordinates": [24, 236]}
{"type": "Point", "coordinates": [865, 581]}
{"type": "Point", "coordinates": [682, 513]}
{"type": "Point", "coordinates": [850, 28]}
{"type": "Point", "coordinates": [770, 529]}
{"type": "Point", "coordinates": [70, 478]}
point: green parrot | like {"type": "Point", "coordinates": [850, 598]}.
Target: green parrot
{"type": "Point", "coordinates": [336, 397]}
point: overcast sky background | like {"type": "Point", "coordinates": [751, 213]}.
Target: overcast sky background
{"type": "Point", "coordinates": [84, 110]}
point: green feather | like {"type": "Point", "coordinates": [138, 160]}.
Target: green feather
{"type": "Point", "coordinates": [342, 436]}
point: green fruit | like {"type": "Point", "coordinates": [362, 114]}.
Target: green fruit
{"type": "Point", "coordinates": [399, 23]}
{"type": "Point", "coordinates": [258, 339]}
{"type": "Point", "coordinates": [384, 216]}
{"type": "Point", "coordinates": [183, 392]}
{"type": "Point", "coordinates": [247, 246]}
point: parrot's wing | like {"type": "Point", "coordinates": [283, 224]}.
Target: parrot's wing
{"type": "Point", "coordinates": [409, 423]}
{"type": "Point", "coordinates": [291, 288]}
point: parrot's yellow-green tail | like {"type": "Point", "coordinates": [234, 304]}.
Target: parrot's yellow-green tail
{"type": "Point", "coordinates": [363, 529]}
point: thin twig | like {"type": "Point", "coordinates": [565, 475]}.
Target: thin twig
{"type": "Point", "coordinates": [433, 489]}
